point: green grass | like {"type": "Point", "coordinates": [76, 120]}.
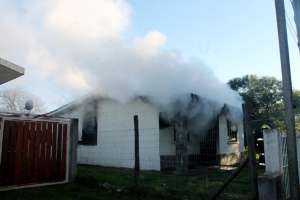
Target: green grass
{"type": "Point", "coordinates": [153, 185]}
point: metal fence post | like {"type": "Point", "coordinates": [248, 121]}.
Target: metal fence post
{"type": "Point", "coordinates": [136, 150]}
{"type": "Point", "coordinates": [251, 150]}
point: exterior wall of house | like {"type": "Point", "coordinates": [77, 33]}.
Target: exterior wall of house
{"type": "Point", "coordinates": [194, 144]}
{"type": "Point", "coordinates": [115, 140]}
{"type": "Point", "coordinates": [77, 114]}
{"type": "Point", "coordinates": [229, 152]}
{"type": "Point", "coordinates": [167, 142]}
{"type": "Point", "coordinates": [167, 145]}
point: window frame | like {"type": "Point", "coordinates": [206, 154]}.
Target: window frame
{"type": "Point", "coordinates": [88, 138]}
{"type": "Point", "coordinates": [232, 136]}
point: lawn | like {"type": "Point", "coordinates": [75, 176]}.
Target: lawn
{"type": "Point", "coordinates": [107, 183]}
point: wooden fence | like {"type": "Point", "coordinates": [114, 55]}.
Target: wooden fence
{"type": "Point", "coordinates": [34, 151]}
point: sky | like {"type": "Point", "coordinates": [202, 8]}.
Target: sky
{"type": "Point", "coordinates": [62, 43]}
{"type": "Point", "coordinates": [234, 37]}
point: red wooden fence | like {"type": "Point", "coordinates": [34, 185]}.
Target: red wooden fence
{"type": "Point", "coordinates": [33, 152]}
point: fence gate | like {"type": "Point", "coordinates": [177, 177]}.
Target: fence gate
{"type": "Point", "coordinates": [33, 152]}
{"type": "Point", "coordinates": [284, 166]}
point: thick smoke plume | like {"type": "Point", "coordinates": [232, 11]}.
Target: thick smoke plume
{"type": "Point", "coordinates": [72, 48]}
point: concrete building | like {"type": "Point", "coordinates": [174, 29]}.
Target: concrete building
{"type": "Point", "coordinates": [106, 134]}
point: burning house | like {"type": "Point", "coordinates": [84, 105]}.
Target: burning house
{"type": "Point", "coordinates": [186, 136]}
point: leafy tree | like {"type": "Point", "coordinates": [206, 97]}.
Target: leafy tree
{"type": "Point", "coordinates": [296, 98]}
{"type": "Point", "coordinates": [263, 94]}
{"type": "Point", "coordinates": [14, 101]}
{"type": "Point", "coordinates": [298, 124]}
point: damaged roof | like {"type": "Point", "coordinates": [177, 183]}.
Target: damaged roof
{"type": "Point", "coordinates": [195, 100]}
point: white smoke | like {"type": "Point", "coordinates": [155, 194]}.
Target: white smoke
{"type": "Point", "coordinates": [78, 47]}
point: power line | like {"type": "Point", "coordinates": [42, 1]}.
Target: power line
{"type": "Point", "coordinates": [291, 29]}
{"type": "Point", "coordinates": [287, 94]}
{"type": "Point", "coordinates": [290, 26]}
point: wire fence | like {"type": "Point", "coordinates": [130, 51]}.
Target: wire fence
{"type": "Point", "coordinates": [201, 184]}
{"type": "Point", "coordinates": [150, 163]}
{"type": "Point", "coordinates": [160, 163]}
{"type": "Point", "coordinates": [284, 166]}
{"type": "Point", "coordinates": [277, 159]}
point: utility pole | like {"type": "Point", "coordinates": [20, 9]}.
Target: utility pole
{"type": "Point", "coordinates": [287, 96]}
{"type": "Point", "coordinates": [296, 7]}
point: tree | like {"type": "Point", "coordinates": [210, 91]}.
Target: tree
{"type": "Point", "coordinates": [296, 99]}
{"type": "Point", "coordinates": [14, 101]}
{"type": "Point", "coordinates": [264, 94]}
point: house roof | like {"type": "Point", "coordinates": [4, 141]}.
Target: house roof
{"type": "Point", "coordinates": [9, 71]}
{"type": "Point", "coordinates": [84, 100]}
{"type": "Point", "coordinates": [75, 104]}
{"type": "Point", "coordinates": [195, 99]}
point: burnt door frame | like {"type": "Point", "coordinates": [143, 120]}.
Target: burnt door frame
{"type": "Point", "coordinates": [211, 137]}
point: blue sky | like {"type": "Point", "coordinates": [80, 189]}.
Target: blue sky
{"type": "Point", "coordinates": [234, 37]}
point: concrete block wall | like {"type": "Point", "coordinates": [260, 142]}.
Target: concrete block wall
{"type": "Point", "coordinates": [272, 151]}
{"type": "Point", "coordinates": [224, 146]}
{"type": "Point", "coordinates": [167, 146]}
{"type": "Point", "coordinates": [115, 145]}
{"type": "Point", "coordinates": [229, 152]}
{"type": "Point", "coordinates": [275, 149]}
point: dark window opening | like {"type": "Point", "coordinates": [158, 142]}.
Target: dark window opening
{"type": "Point", "coordinates": [163, 121]}
{"type": "Point", "coordinates": [89, 127]}
{"type": "Point", "coordinates": [232, 132]}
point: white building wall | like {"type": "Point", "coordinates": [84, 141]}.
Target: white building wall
{"type": "Point", "coordinates": [77, 114]}
{"type": "Point", "coordinates": [241, 136]}
{"type": "Point", "coordinates": [226, 147]}
{"type": "Point", "coordinates": [194, 144]}
{"type": "Point", "coordinates": [115, 145]}
{"type": "Point", "coordinates": [272, 151]}
{"type": "Point", "coordinates": [167, 144]}
{"type": "Point", "coordinates": [275, 151]}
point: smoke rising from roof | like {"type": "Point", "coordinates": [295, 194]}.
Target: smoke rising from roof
{"type": "Point", "coordinates": [78, 47]}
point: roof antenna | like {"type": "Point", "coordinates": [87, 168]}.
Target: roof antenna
{"type": "Point", "coordinates": [28, 106]}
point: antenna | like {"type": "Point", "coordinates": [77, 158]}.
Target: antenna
{"type": "Point", "coordinates": [29, 105]}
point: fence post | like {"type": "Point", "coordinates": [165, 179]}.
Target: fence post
{"type": "Point", "coordinates": [181, 146]}
{"type": "Point", "coordinates": [73, 149]}
{"type": "Point", "coordinates": [136, 150]}
{"type": "Point", "coordinates": [230, 179]}
{"type": "Point", "coordinates": [298, 153]}
{"type": "Point", "coordinates": [251, 150]}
